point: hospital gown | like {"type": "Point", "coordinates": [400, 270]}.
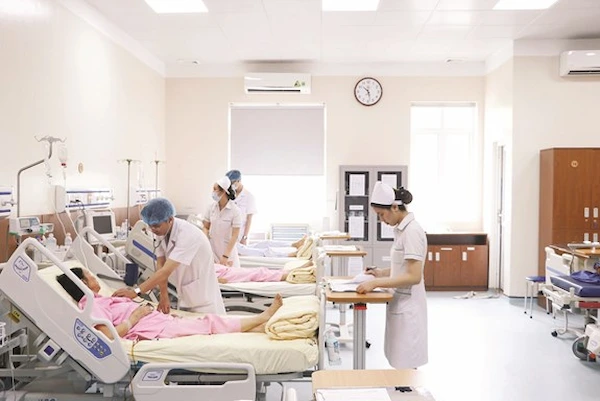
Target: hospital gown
{"type": "Point", "coordinates": [157, 324]}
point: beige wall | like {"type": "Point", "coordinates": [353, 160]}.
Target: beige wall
{"type": "Point", "coordinates": [549, 111]}
{"type": "Point", "coordinates": [498, 122]}
{"type": "Point", "coordinates": [197, 126]}
{"type": "Point", "coordinates": [60, 77]}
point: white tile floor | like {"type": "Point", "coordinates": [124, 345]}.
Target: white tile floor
{"type": "Point", "coordinates": [483, 350]}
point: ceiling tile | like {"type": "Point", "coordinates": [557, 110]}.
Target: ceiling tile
{"type": "Point", "coordinates": [577, 4]}
{"type": "Point", "coordinates": [466, 4]}
{"type": "Point", "coordinates": [402, 18]}
{"type": "Point", "coordinates": [560, 32]}
{"type": "Point", "coordinates": [496, 31]}
{"type": "Point", "coordinates": [442, 32]}
{"type": "Point", "coordinates": [296, 7]}
{"type": "Point", "coordinates": [479, 45]}
{"type": "Point", "coordinates": [454, 18]}
{"type": "Point", "coordinates": [575, 17]}
{"type": "Point", "coordinates": [234, 6]}
{"type": "Point", "coordinates": [410, 5]}
{"type": "Point", "coordinates": [506, 17]}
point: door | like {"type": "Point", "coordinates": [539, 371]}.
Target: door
{"type": "Point", "coordinates": [447, 269]}
{"type": "Point", "coordinates": [498, 244]}
{"type": "Point", "coordinates": [474, 266]}
{"type": "Point", "coordinates": [429, 267]}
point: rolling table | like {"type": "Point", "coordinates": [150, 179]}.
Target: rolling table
{"type": "Point", "coordinates": [360, 302]}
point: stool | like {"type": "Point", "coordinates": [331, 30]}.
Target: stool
{"type": "Point", "coordinates": [532, 286]}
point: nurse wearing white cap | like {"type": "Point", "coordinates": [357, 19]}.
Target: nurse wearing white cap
{"type": "Point", "coordinates": [406, 318]}
{"type": "Point", "coordinates": [222, 222]}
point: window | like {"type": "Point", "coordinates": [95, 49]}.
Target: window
{"type": "Point", "coordinates": [280, 150]}
{"type": "Point", "coordinates": [443, 169]}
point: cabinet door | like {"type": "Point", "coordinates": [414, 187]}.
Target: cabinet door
{"type": "Point", "coordinates": [474, 266]}
{"type": "Point", "coordinates": [447, 269]}
{"type": "Point", "coordinates": [594, 187]}
{"type": "Point", "coordinates": [572, 195]}
{"type": "Point", "coordinates": [429, 267]}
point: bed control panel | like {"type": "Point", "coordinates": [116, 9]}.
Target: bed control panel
{"type": "Point", "coordinates": [86, 337]}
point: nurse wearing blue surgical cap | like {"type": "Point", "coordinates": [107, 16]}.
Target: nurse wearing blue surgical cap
{"type": "Point", "coordinates": [184, 254]}
{"type": "Point", "coordinates": [406, 319]}
{"type": "Point", "coordinates": [245, 201]}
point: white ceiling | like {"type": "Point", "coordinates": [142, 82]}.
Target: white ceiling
{"type": "Point", "coordinates": [267, 31]}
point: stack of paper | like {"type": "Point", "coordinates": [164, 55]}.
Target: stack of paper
{"type": "Point", "coordinates": [351, 284]}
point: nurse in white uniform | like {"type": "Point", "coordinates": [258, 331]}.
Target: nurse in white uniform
{"type": "Point", "coordinates": [245, 201]}
{"type": "Point", "coordinates": [222, 222]}
{"type": "Point", "coordinates": [406, 318]}
{"type": "Point", "coordinates": [184, 253]}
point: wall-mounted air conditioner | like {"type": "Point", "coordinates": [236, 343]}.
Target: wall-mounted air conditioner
{"type": "Point", "coordinates": [277, 83]}
{"type": "Point", "coordinates": [580, 62]}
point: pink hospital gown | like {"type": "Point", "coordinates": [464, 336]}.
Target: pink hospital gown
{"type": "Point", "coordinates": [157, 324]}
{"type": "Point", "coordinates": [250, 274]}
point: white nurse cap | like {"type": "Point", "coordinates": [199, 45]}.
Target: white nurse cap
{"type": "Point", "coordinates": [383, 195]}
{"type": "Point", "coordinates": [224, 183]}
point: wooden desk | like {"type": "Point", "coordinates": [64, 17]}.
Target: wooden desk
{"type": "Point", "coordinates": [360, 301]}
{"type": "Point", "coordinates": [586, 253]}
{"type": "Point", "coordinates": [367, 378]}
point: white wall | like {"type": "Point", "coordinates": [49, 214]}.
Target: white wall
{"type": "Point", "coordinates": [549, 111]}
{"type": "Point", "coordinates": [197, 127]}
{"type": "Point", "coordinates": [498, 132]}
{"type": "Point", "coordinates": [61, 77]}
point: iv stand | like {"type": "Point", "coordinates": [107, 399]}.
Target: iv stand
{"type": "Point", "coordinates": [129, 161]}
{"type": "Point", "coordinates": [50, 140]}
{"type": "Point", "coordinates": [157, 162]}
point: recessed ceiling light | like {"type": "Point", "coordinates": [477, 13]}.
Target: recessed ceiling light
{"type": "Point", "coordinates": [524, 4]}
{"type": "Point", "coordinates": [177, 6]}
{"type": "Point", "coordinates": [590, 54]}
{"type": "Point", "coordinates": [350, 5]}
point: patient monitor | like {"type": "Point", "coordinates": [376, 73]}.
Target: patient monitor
{"type": "Point", "coordinates": [101, 221]}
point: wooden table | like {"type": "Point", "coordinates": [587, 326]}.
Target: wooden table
{"type": "Point", "coordinates": [322, 379]}
{"type": "Point", "coordinates": [360, 301]}
{"type": "Point", "coordinates": [586, 253]}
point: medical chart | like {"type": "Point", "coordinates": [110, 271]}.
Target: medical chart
{"type": "Point", "coordinates": [390, 179]}
{"type": "Point", "coordinates": [356, 226]}
{"type": "Point", "coordinates": [357, 185]}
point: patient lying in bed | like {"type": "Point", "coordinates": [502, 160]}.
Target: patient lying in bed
{"type": "Point", "coordinates": [134, 321]}
{"type": "Point", "coordinates": [226, 274]}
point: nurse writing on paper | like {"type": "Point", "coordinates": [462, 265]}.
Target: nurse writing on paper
{"type": "Point", "coordinates": [406, 317]}
{"type": "Point", "coordinates": [222, 222]}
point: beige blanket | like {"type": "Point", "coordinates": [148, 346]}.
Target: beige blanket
{"type": "Point", "coordinates": [297, 318]}
{"type": "Point", "coordinates": [302, 275]}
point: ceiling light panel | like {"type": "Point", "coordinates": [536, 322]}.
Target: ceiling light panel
{"type": "Point", "coordinates": [350, 5]}
{"type": "Point", "coordinates": [177, 6]}
{"type": "Point", "coordinates": [524, 4]}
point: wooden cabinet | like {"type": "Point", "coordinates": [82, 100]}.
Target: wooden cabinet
{"type": "Point", "coordinates": [569, 197]}
{"type": "Point", "coordinates": [456, 262]}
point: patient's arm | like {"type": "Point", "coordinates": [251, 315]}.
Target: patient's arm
{"type": "Point", "coordinates": [126, 325]}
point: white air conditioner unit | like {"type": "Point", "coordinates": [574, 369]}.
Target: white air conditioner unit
{"type": "Point", "coordinates": [580, 62]}
{"type": "Point", "coordinates": [277, 83]}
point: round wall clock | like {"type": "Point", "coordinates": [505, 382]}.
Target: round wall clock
{"type": "Point", "coordinates": [368, 91]}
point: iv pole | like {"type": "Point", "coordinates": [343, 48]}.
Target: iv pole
{"type": "Point", "coordinates": [129, 161]}
{"type": "Point", "coordinates": [50, 140]}
{"type": "Point", "coordinates": [157, 162]}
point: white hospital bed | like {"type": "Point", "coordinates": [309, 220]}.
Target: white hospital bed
{"type": "Point", "coordinates": [48, 336]}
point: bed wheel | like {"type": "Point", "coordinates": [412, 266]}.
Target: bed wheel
{"type": "Point", "coordinates": [367, 344]}
{"type": "Point", "coordinates": [554, 333]}
{"type": "Point", "coordinates": [579, 348]}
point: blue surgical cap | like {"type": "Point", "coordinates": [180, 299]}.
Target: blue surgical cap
{"type": "Point", "coordinates": [157, 211]}
{"type": "Point", "coordinates": [234, 175]}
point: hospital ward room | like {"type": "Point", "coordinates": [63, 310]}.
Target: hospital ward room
{"type": "Point", "coordinates": [299, 200]}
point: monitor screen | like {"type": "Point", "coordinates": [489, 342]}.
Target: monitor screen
{"type": "Point", "coordinates": [103, 224]}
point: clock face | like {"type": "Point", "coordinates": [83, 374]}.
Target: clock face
{"type": "Point", "coordinates": [368, 91]}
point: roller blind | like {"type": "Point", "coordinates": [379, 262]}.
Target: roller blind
{"type": "Point", "coordinates": [277, 139]}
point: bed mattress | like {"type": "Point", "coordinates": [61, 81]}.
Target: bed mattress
{"type": "Point", "coordinates": [266, 355]}
{"type": "Point", "coordinates": [584, 290]}
{"type": "Point", "coordinates": [259, 261]}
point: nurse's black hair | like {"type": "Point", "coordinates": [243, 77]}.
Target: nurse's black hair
{"type": "Point", "coordinates": [230, 193]}
{"type": "Point", "coordinates": [400, 194]}
{"type": "Point", "coordinates": [72, 289]}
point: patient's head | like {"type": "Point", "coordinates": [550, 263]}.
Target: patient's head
{"type": "Point", "coordinates": [72, 289]}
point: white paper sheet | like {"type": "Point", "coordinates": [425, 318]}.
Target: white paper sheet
{"type": "Point", "coordinates": [355, 265]}
{"type": "Point", "coordinates": [386, 230]}
{"type": "Point", "coordinates": [356, 226]}
{"type": "Point", "coordinates": [390, 179]}
{"type": "Point", "coordinates": [357, 185]}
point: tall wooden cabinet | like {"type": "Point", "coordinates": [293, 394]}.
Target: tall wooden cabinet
{"type": "Point", "coordinates": [569, 197]}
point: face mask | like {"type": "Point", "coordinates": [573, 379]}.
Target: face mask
{"type": "Point", "coordinates": [236, 186]}
{"type": "Point", "coordinates": [216, 197]}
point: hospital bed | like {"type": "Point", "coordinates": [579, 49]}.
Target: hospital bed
{"type": "Point", "coordinates": [48, 337]}
{"type": "Point", "coordinates": [569, 295]}
{"type": "Point", "coordinates": [249, 297]}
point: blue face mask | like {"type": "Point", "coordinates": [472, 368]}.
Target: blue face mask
{"type": "Point", "coordinates": [216, 197]}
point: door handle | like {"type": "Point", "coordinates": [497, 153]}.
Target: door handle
{"type": "Point", "coordinates": [586, 212]}
{"type": "Point", "coordinates": [430, 256]}
{"type": "Point", "coordinates": [595, 212]}
{"type": "Point", "coordinates": [586, 236]}
{"type": "Point", "coordinates": [437, 256]}
{"type": "Point", "coordinates": [464, 256]}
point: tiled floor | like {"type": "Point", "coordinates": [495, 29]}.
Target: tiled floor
{"type": "Point", "coordinates": [483, 350]}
